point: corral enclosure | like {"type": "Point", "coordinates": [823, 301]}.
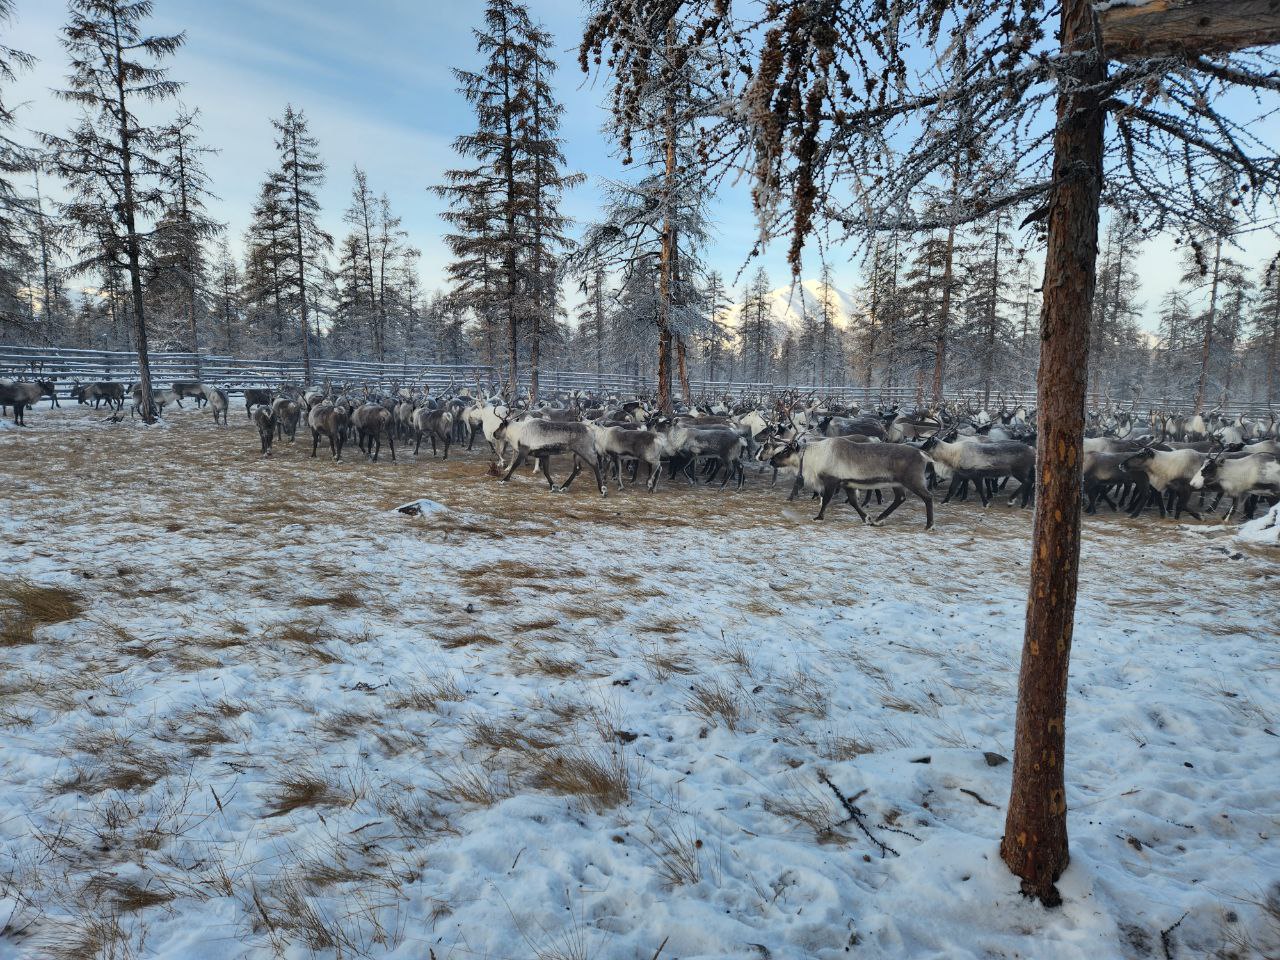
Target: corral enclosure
{"type": "Point", "coordinates": [249, 709]}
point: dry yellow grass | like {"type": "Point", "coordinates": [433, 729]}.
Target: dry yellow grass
{"type": "Point", "coordinates": [26, 607]}
{"type": "Point", "coordinates": [602, 780]}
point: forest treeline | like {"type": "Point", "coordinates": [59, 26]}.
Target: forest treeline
{"type": "Point", "coordinates": [107, 232]}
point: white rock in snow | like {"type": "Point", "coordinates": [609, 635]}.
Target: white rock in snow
{"type": "Point", "coordinates": [415, 507]}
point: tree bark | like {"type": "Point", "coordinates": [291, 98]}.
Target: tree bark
{"type": "Point", "coordinates": [1035, 839]}
{"type": "Point", "coordinates": [1162, 28]}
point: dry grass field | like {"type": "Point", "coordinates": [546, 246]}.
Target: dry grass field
{"type": "Point", "coordinates": [249, 710]}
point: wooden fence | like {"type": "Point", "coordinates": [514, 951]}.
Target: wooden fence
{"type": "Point", "coordinates": [68, 365]}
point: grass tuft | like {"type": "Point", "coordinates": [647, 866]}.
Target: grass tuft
{"type": "Point", "coordinates": [26, 607]}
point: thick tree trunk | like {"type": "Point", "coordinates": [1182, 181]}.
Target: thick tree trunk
{"type": "Point", "coordinates": [1035, 837]}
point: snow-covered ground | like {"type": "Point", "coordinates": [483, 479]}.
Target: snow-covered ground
{"type": "Point", "coordinates": [268, 715]}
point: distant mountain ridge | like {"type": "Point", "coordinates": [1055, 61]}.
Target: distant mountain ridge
{"type": "Point", "coordinates": [791, 303]}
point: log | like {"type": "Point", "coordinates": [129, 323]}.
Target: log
{"type": "Point", "coordinates": [1162, 28]}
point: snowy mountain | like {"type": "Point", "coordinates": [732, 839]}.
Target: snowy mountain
{"type": "Point", "coordinates": [791, 303]}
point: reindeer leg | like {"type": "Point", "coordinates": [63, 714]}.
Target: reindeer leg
{"type": "Point", "coordinates": [852, 496]}
{"type": "Point", "coordinates": [828, 491]}
{"type": "Point", "coordinates": [898, 500]}
{"type": "Point", "coordinates": [417, 442]}
{"type": "Point", "coordinates": [391, 443]}
{"type": "Point", "coordinates": [447, 442]}
{"type": "Point", "coordinates": [546, 471]}
{"type": "Point", "coordinates": [515, 465]}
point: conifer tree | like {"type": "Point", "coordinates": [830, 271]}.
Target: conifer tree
{"type": "Point", "coordinates": [300, 175]}
{"type": "Point", "coordinates": [114, 173]}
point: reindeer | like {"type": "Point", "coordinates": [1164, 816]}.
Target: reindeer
{"type": "Point", "coordinates": [837, 463]}
{"type": "Point", "coordinates": [543, 438]}
{"type": "Point", "coordinates": [436, 424]}
{"type": "Point", "coordinates": [983, 460]}
{"type": "Point", "coordinates": [95, 393]}
{"type": "Point", "coordinates": [286, 413]}
{"type": "Point", "coordinates": [371, 421]}
{"type": "Point", "coordinates": [188, 390]}
{"type": "Point", "coordinates": [218, 402]}
{"type": "Point", "coordinates": [265, 420]}
{"type": "Point", "coordinates": [723, 443]}
{"type": "Point", "coordinates": [614, 442]}
{"type": "Point", "coordinates": [22, 394]}
{"type": "Point", "coordinates": [253, 396]}
{"type": "Point", "coordinates": [1255, 474]}
{"type": "Point", "coordinates": [1169, 473]}
{"type": "Point", "coordinates": [326, 419]}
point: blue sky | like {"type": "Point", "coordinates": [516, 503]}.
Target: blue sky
{"type": "Point", "coordinates": [375, 81]}
{"type": "Point", "coordinates": [376, 84]}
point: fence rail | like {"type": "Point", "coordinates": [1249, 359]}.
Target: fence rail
{"type": "Point", "coordinates": [67, 365]}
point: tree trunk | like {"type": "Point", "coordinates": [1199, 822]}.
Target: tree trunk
{"type": "Point", "coordinates": [49, 307]}
{"type": "Point", "coordinates": [599, 321]}
{"type": "Point", "coordinates": [993, 316]}
{"type": "Point", "coordinates": [1035, 838]}
{"type": "Point", "coordinates": [189, 240]}
{"type": "Point", "coordinates": [132, 247]}
{"type": "Point", "coordinates": [1275, 341]}
{"type": "Point", "coordinates": [509, 210]}
{"type": "Point", "coordinates": [302, 262]}
{"type": "Point", "coordinates": [1210, 320]}
{"type": "Point", "coordinates": [944, 320]}
{"type": "Point", "coordinates": [683, 370]}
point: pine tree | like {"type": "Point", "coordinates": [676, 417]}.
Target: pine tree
{"type": "Point", "coordinates": [226, 295]}
{"type": "Point", "coordinates": [185, 225]}
{"type": "Point", "coordinates": [16, 261]}
{"type": "Point", "coordinates": [756, 329]}
{"type": "Point", "coordinates": [300, 175]}
{"type": "Point", "coordinates": [115, 175]}
{"type": "Point", "coordinates": [1267, 330]}
{"type": "Point", "coordinates": [266, 296]}
{"type": "Point", "coordinates": [714, 337]}
{"type": "Point", "coordinates": [486, 200]}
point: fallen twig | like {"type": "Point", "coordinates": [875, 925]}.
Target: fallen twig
{"type": "Point", "coordinates": [979, 797]}
{"type": "Point", "coordinates": [858, 817]}
{"type": "Point", "coordinates": [1164, 936]}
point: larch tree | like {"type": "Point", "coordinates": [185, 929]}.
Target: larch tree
{"type": "Point", "coordinates": [114, 172]}
{"type": "Point", "coordinates": [178, 253]}
{"type": "Point", "coordinates": [16, 213]}
{"type": "Point", "coordinates": [847, 108]}
{"type": "Point", "coordinates": [300, 175]}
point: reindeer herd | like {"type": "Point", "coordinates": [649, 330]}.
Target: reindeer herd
{"type": "Point", "coordinates": [1159, 462]}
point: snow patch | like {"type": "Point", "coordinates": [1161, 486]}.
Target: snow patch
{"type": "Point", "coordinates": [1263, 531]}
